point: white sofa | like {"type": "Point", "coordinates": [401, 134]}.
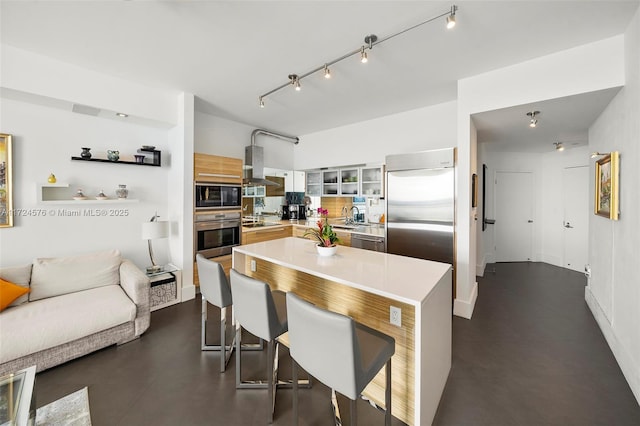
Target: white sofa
{"type": "Point", "coordinates": [76, 305]}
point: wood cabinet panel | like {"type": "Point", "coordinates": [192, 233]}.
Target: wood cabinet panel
{"type": "Point", "coordinates": [266, 234]}
{"type": "Point", "coordinates": [214, 168]}
{"type": "Point", "coordinates": [345, 238]}
{"type": "Point", "coordinates": [275, 191]}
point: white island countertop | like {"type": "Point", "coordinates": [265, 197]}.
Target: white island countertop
{"type": "Point", "coordinates": [401, 278]}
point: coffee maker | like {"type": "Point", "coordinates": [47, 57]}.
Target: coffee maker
{"type": "Point", "coordinates": [294, 212]}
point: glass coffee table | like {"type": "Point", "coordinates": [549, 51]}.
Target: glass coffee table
{"type": "Point", "coordinates": [17, 402]}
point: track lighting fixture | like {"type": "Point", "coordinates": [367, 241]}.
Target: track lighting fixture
{"type": "Point", "coordinates": [327, 71]}
{"type": "Point", "coordinates": [534, 121]}
{"type": "Point", "coordinates": [599, 154]}
{"type": "Point", "coordinates": [559, 146]}
{"type": "Point", "coordinates": [451, 19]}
{"type": "Point", "coordinates": [370, 41]}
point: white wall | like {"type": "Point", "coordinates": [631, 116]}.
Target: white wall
{"type": "Point", "coordinates": [218, 136]}
{"type": "Point", "coordinates": [36, 95]}
{"type": "Point", "coordinates": [37, 74]}
{"type": "Point", "coordinates": [368, 142]}
{"type": "Point", "coordinates": [44, 139]}
{"type": "Point", "coordinates": [613, 292]}
{"type": "Point", "coordinates": [547, 169]}
{"type": "Point", "coordinates": [591, 67]}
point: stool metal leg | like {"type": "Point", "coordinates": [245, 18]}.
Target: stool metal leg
{"type": "Point", "coordinates": [228, 349]}
{"type": "Point", "coordinates": [337, 419]}
{"type": "Point", "coordinates": [387, 395]}
{"type": "Point", "coordinates": [294, 380]}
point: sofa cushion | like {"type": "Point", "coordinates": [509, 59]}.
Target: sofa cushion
{"type": "Point", "coordinates": [63, 275]}
{"type": "Point", "coordinates": [19, 275]}
{"type": "Point", "coordinates": [10, 292]}
{"type": "Point", "coordinates": [46, 323]}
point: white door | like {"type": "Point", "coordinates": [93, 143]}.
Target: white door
{"type": "Point", "coordinates": [514, 216]}
{"type": "Point", "coordinates": [575, 192]}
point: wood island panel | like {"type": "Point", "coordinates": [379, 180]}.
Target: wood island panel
{"type": "Point", "coordinates": [369, 309]}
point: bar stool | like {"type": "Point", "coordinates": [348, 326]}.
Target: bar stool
{"type": "Point", "coordinates": [262, 313]}
{"type": "Point", "coordinates": [215, 289]}
{"type": "Point", "coordinates": [338, 351]}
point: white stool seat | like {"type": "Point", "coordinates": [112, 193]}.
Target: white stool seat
{"type": "Point", "coordinates": [337, 351]}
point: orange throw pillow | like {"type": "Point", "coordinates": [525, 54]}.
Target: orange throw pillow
{"type": "Point", "coordinates": [10, 292]}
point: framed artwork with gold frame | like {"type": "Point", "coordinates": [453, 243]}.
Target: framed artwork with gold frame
{"type": "Point", "coordinates": [606, 194]}
{"type": "Point", "coordinates": [6, 206]}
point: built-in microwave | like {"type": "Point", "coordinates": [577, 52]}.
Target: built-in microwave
{"type": "Point", "coordinates": [210, 196]}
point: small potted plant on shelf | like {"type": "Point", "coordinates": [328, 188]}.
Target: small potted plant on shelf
{"type": "Point", "coordinates": [324, 235]}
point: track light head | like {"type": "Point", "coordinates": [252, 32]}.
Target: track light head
{"type": "Point", "coordinates": [327, 71]}
{"type": "Point", "coordinates": [534, 121]}
{"type": "Point", "coordinates": [261, 102]}
{"type": "Point", "coordinates": [363, 56]}
{"type": "Point", "coordinates": [451, 19]}
{"type": "Point", "coordinates": [559, 146]}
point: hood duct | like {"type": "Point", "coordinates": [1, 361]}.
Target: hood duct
{"type": "Point", "coordinates": [254, 159]}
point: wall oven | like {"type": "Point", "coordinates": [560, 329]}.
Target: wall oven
{"type": "Point", "coordinates": [216, 233]}
{"type": "Point", "coordinates": [215, 196]}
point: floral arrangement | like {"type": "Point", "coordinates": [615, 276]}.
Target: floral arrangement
{"type": "Point", "coordinates": [323, 234]}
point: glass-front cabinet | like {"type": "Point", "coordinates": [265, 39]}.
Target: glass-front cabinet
{"type": "Point", "coordinates": [346, 182]}
{"type": "Point", "coordinates": [330, 184]}
{"type": "Point", "coordinates": [314, 184]}
{"type": "Point", "coordinates": [372, 181]}
{"type": "Point", "coordinates": [349, 182]}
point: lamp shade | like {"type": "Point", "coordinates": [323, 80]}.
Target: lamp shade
{"type": "Point", "coordinates": [155, 229]}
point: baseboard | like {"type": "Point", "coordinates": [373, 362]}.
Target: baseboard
{"type": "Point", "coordinates": [188, 293]}
{"type": "Point", "coordinates": [464, 308]}
{"type": "Point", "coordinates": [624, 359]}
{"type": "Point", "coordinates": [480, 268]}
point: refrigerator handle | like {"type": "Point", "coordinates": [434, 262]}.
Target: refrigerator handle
{"type": "Point", "coordinates": [490, 221]}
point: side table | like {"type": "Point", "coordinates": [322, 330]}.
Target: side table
{"type": "Point", "coordinates": [166, 287]}
{"type": "Point", "coordinates": [17, 402]}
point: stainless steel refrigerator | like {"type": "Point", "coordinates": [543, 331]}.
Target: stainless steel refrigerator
{"type": "Point", "coordinates": [420, 205]}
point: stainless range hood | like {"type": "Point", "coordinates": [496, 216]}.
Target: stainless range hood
{"type": "Point", "coordinates": [254, 167]}
{"type": "Point", "coordinates": [254, 159]}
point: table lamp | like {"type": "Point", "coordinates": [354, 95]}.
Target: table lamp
{"type": "Point", "coordinates": [152, 230]}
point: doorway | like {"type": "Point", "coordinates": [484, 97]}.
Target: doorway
{"type": "Point", "coordinates": [575, 195]}
{"type": "Point", "coordinates": [514, 216]}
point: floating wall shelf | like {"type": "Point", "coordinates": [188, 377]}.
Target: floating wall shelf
{"type": "Point", "coordinates": [156, 160]}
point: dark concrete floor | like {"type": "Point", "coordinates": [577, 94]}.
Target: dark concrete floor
{"type": "Point", "coordinates": [531, 355]}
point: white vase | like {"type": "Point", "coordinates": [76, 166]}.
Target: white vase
{"type": "Point", "coordinates": [327, 251]}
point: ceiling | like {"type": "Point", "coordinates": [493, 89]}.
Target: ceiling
{"type": "Point", "coordinates": [228, 53]}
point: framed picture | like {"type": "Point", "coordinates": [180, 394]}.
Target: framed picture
{"type": "Point", "coordinates": [606, 201]}
{"type": "Point", "coordinates": [6, 214]}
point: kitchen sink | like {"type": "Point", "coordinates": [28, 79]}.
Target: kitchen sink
{"type": "Point", "coordinates": [258, 224]}
{"type": "Point", "coordinates": [354, 226]}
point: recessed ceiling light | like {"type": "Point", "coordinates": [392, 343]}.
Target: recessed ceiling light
{"type": "Point", "coordinates": [121, 114]}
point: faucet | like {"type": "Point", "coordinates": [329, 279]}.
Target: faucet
{"type": "Point", "coordinates": [351, 220]}
{"type": "Point", "coordinates": [345, 212]}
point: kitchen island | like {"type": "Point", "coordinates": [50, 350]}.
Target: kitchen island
{"type": "Point", "coordinates": [366, 285]}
